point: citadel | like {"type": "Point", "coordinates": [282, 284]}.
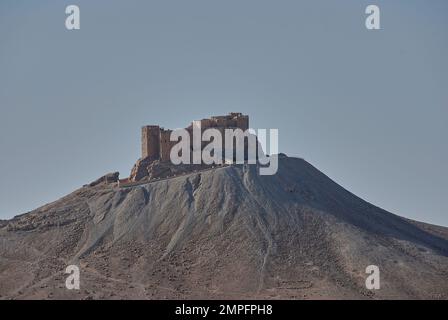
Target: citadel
{"type": "Point", "coordinates": [160, 146]}
{"type": "Point", "coordinates": [156, 144]}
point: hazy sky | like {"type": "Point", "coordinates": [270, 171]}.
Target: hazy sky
{"type": "Point", "coordinates": [368, 108]}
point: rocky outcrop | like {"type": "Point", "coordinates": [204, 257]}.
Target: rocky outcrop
{"type": "Point", "coordinates": [140, 169]}
{"type": "Point", "coordinates": [147, 169]}
{"type": "Point", "coordinates": [107, 178]}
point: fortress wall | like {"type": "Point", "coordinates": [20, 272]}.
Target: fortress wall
{"type": "Point", "coordinates": [165, 145]}
{"type": "Point", "coordinates": [207, 123]}
{"type": "Point", "coordinates": [242, 123]}
{"type": "Point", "coordinates": [156, 141]}
{"type": "Point", "coordinates": [150, 141]}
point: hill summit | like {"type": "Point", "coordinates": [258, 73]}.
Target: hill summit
{"type": "Point", "coordinates": [226, 232]}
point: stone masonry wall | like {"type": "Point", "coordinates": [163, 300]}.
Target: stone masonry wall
{"type": "Point", "coordinates": [156, 143]}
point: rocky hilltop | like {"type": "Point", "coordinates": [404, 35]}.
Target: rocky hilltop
{"type": "Point", "coordinates": [226, 232]}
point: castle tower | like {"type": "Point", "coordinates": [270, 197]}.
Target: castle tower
{"type": "Point", "coordinates": [151, 142]}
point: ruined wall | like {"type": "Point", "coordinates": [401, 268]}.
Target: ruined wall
{"type": "Point", "coordinates": [150, 141]}
{"type": "Point", "coordinates": [156, 142]}
{"type": "Point", "coordinates": [242, 123]}
{"type": "Point", "coordinates": [165, 145]}
{"type": "Point", "coordinates": [232, 120]}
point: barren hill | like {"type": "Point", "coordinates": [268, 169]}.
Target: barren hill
{"type": "Point", "coordinates": [222, 233]}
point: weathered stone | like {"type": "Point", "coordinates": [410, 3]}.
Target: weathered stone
{"type": "Point", "coordinates": [107, 178]}
{"type": "Point", "coordinates": [156, 144]}
{"type": "Point", "coordinates": [156, 147]}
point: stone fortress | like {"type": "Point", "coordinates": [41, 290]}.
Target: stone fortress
{"type": "Point", "coordinates": [156, 143]}
{"type": "Point", "coordinates": [156, 147]}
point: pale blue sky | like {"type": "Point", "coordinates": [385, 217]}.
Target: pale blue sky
{"type": "Point", "coordinates": [368, 108]}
